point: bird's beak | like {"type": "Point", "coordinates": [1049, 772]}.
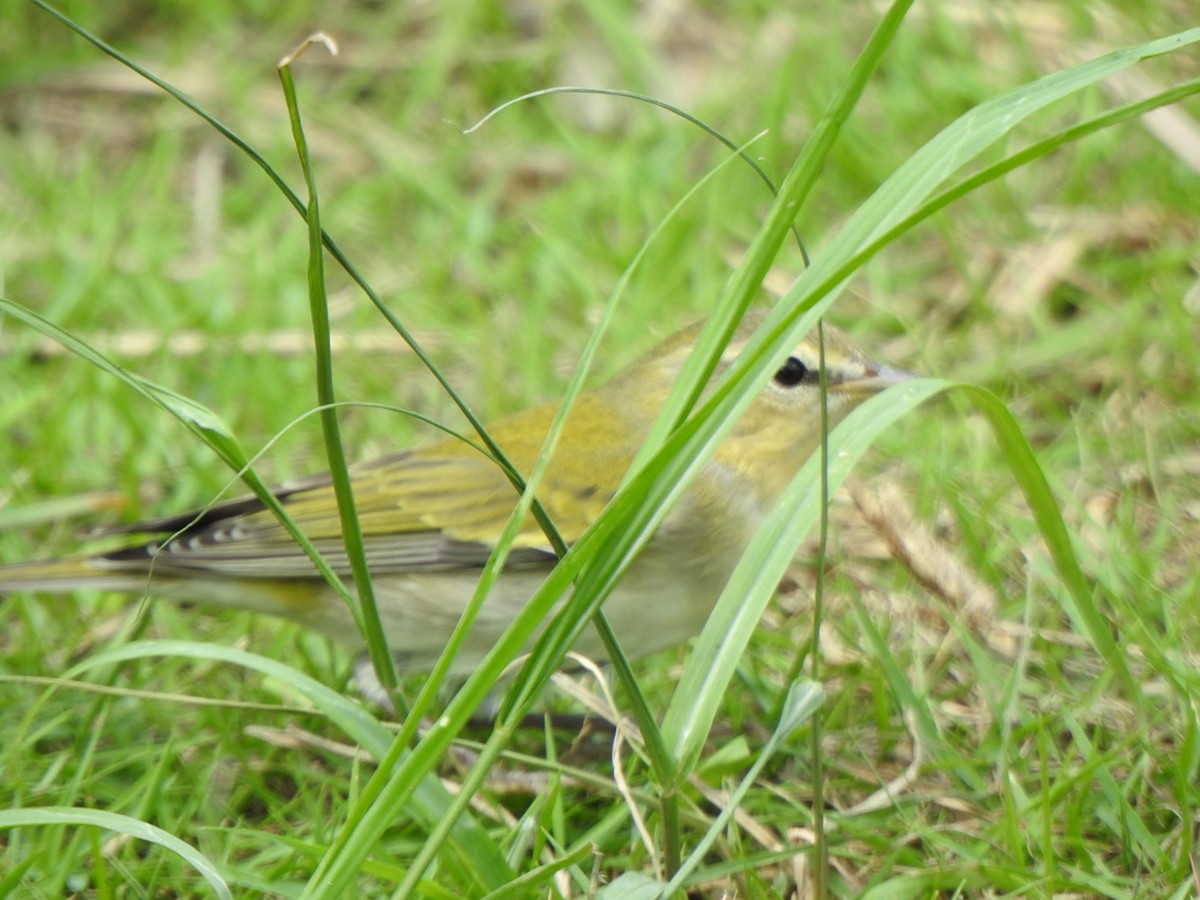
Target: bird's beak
{"type": "Point", "coordinates": [878, 378]}
{"type": "Point", "coordinates": [890, 374]}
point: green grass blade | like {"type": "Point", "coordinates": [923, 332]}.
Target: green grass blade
{"type": "Point", "coordinates": [1081, 604]}
{"type": "Point", "coordinates": [366, 610]}
{"type": "Point", "coordinates": [661, 104]}
{"type": "Point", "coordinates": [722, 643]}
{"type": "Point", "coordinates": [474, 851]}
{"type": "Point", "coordinates": [959, 143]}
{"type": "Point", "coordinates": [802, 701]}
{"type": "Point", "coordinates": [35, 817]}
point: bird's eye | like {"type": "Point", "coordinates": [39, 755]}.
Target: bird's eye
{"type": "Point", "coordinates": [792, 373]}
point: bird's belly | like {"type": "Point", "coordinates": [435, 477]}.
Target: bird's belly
{"type": "Point", "coordinates": [652, 608]}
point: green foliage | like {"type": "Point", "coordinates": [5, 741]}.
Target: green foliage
{"type": "Point", "coordinates": [1028, 709]}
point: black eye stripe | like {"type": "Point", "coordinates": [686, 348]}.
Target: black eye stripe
{"type": "Point", "coordinates": [793, 372]}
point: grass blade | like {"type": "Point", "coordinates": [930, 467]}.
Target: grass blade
{"type": "Point", "coordinates": [71, 815]}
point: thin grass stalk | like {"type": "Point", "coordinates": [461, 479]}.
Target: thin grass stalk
{"type": "Point", "coordinates": [468, 787]}
{"type": "Point", "coordinates": [541, 875]}
{"type": "Point", "coordinates": [366, 611]}
{"type": "Point", "coordinates": [820, 863]}
{"type": "Point", "coordinates": [661, 104]}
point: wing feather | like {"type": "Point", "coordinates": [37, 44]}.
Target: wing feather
{"type": "Point", "coordinates": [435, 509]}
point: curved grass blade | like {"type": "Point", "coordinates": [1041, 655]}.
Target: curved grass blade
{"type": "Point", "coordinates": [33, 817]}
{"type": "Point", "coordinates": [477, 855]}
{"type": "Point", "coordinates": [722, 643]}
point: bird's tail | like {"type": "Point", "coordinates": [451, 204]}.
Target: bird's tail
{"type": "Point", "coordinates": [302, 600]}
{"type": "Point", "coordinates": [70, 573]}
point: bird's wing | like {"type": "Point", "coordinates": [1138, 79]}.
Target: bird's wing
{"type": "Point", "coordinates": [417, 511]}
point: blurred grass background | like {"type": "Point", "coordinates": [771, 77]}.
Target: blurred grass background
{"type": "Point", "coordinates": [1070, 288]}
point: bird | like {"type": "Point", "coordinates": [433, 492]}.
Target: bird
{"type": "Point", "coordinates": [431, 515]}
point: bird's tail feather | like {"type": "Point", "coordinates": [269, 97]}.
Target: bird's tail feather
{"type": "Point", "coordinates": [70, 573]}
{"type": "Point", "coordinates": [303, 600]}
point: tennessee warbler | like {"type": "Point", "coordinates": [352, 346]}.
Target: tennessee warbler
{"type": "Point", "coordinates": [431, 515]}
